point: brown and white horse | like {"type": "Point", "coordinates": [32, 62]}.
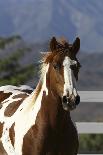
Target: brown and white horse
{"type": "Point", "coordinates": [38, 122]}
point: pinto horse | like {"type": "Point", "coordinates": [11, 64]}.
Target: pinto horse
{"type": "Point", "coordinates": [38, 122]}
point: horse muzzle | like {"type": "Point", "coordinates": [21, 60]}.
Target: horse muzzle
{"type": "Point", "coordinates": [70, 103]}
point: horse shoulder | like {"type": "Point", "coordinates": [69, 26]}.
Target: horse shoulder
{"type": "Point", "coordinates": [11, 97]}
{"type": "Point", "coordinates": [14, 104]}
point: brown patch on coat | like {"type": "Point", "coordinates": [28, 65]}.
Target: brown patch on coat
{"type": "Point", "coordinates": [25, 90]}
{"type": "Point", "coordinates": [0, 106]}
{"type": "Point", "coordinates": [2, 150]}
{"type": "Point", "coordinates": [1, 129]}
{"type": "Point", "coordinates": [4, 96]}
{"type": "Point", "coordinates": [12, 134]}
{"type": "Point", "coordinates": [12, 107]}
{"type": "Point", "coordinates": [22, 96]}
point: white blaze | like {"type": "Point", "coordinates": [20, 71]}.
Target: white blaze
{"type": "Point", "coordinates": [70, 83]}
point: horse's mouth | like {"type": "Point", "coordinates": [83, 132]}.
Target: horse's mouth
{"type": "Point", "coordinates": [68, 106]}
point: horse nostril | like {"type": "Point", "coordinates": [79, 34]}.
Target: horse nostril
{"type": "Point", "coordinates": [77, 100]}
{"type": "Point", "coordinates": [64, 99]}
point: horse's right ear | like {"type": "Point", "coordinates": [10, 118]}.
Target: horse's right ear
{"type": "Point", "coordinates": [76, 46]}
{"type": "Point", "coordinates": [53, 44]}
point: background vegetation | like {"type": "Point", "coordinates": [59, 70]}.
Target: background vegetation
{"type": "Point", "coordinates": [12, 72]}
{"type": "Point", "coordinates": [91, 144]}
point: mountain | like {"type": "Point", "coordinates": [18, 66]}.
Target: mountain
{"type": "Point", "coordinates": [37, 20]}
{"type": "Point", "coordinates": [91, 72]}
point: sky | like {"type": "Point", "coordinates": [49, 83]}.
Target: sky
{"type": "Point", "coordinates": [39, 20]}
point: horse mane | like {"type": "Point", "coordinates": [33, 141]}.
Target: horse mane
{"type": "Point", "coordinates": [47, 57]}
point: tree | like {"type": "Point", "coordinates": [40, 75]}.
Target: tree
{"type": "Point", "coordinates": [92, 143]}
{"type": "Point", "coordinates": [11, 72]}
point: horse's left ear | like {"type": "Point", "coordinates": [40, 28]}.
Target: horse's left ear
{"type": "Point", "coordinates": [53, 44]}
{"type": "Point", "coordinates": [76, 46]}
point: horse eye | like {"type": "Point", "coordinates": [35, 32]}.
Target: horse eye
{"type": "Point", "coordinates": [66, 50]}
{"type": "Point", "coordinates": [56, 66]}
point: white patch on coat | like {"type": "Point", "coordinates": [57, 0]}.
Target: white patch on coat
{"type": "Point", "coordinates": [23, 119]}
{"type": "Point", "coordinates": [69, 85]}
{"type": "Point", "coordinates": [5, 139]}
{"type": "Point", "coordinates": [14, 89]}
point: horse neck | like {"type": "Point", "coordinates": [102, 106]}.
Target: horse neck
{"type": "Point", "coordinates": [51, 105]}
{"type": "Point", "coordinates": [49, 101]}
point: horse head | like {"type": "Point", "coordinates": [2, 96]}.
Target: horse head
{"type": "Point", "coordinates": [63, 71]}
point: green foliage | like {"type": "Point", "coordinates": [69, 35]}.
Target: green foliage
{"type": "Point", "coordinates": [12, 61]}
{"type": "Point", "coordinates": [92, 143]}
{"type": "Point", "coordinates": [4, 41]}
{"type": "Point", "coordinates": [19, 77]}
{"type": "Point", "coordinates": [11, 72]}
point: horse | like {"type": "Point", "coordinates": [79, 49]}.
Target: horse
{"type": "Point", "coordinates": [38, 122]}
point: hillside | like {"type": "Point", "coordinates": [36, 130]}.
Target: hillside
{"type": "Point", "coordinates": [39, 20]}
{"type": "Point", "coordinates": [91, 73]}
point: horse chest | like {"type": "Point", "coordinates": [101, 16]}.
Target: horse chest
{"type": "Point", "coordinates": [61, 138]}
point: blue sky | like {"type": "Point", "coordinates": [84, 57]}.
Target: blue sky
{"type": "Point", "coordinates": [38, 20]}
